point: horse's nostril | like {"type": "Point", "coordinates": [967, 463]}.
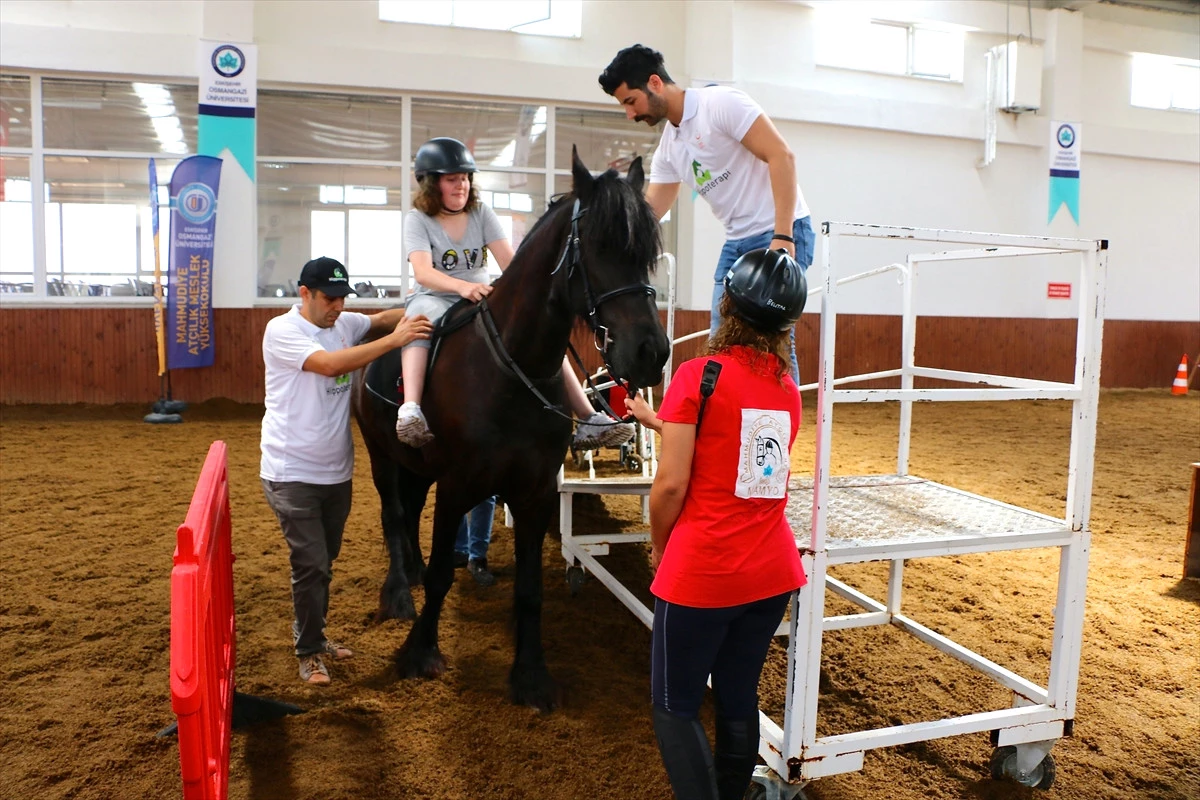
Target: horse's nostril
{"type": "Point", "coordinates": [654, 349]}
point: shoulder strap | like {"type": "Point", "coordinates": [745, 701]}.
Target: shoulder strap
{"type": "Point", "coordinates": [708, 383]}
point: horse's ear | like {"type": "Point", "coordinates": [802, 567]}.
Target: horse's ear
{"type": "Point", "coordinates": [636, 175]}
{"type": "Point", "coordinates": [582, 180]}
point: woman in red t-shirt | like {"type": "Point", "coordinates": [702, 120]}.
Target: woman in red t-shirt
{"type": "Point", "coordinates": [725, 558]}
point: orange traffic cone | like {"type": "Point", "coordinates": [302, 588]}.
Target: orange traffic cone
{"type": "Point", "coordinates": [1180, 386]}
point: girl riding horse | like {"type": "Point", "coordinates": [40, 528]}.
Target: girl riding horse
{"type": "Point", "coordinates": [495, 401]}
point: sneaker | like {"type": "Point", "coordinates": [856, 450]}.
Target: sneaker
{"type": "Point", "coordinates": [601, 430]}
{"type": "Point", "coordinates": [338, 652]}
{"type": "Point", "coordinates": [460, 560]}
{"type": "Point", "coordinates": [479, 571]}
{"type": "Point", "coordinates": [411, 427]}
{"type": "Point", "coordinates": [313, 670]}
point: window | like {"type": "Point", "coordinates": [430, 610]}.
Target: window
{"type": "Point", "coordinates": [562, 18]}
{"type": "Point", "coordinates": [351, 212]}
{"type": "Point", "coordinates": [16, 226]}
{"type": "Point", "coordinates": [935, 53]}
{"type": "Point", "coordinates": [119, 115]}
{"type": "Point", "coordinates": [847, 40]}
{"type": "Point", "coordinates": [310, 125]}
{"type": "Point", "coordinates": [518, 200]}
{"type": "Point", "coordinates": [497, 134]}
{"type": "Point", "coordinates": [16, 129]}
{"type": "Point", "coordinates": [1165, 83]}
{"type": "Point", "coordinates": [333, 177]}
{"type": "Point", "coordinates": [603, 139]}
{"type": "Point", "coordinates": [98, 232]}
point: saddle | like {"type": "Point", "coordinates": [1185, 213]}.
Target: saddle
{"type": "Point", "coordinates": [457, 316]}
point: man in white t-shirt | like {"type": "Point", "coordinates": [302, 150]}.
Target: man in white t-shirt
{"type": "Point", "coordinates": [307, 449]}
{"type": "Point", "coordinates": [720, 143]}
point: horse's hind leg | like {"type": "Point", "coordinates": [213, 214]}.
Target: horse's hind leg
{"type": "Point", "coordinates": [412, 491]}
{"type": "Point", "coordinates": [419, 656]}
{"type": "Point", "coordinates": [529, 679]}
{"type": "Point", "coordinates": [395, 597]}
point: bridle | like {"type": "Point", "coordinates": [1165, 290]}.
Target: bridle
{"type": "Point", "coordinates": [571, 257]}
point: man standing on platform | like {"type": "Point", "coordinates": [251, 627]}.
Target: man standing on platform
{"type": "Point", "coordinates": [307, 449]}
{"type": "Point", "coordinates": [721, 144]}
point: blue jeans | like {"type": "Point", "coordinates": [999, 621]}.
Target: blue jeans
{"type": "Point", "coordinates": [734, 249]}
{"type": "Point", "coordinates": [475, 530]}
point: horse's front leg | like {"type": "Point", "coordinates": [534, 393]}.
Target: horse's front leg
{"type": "Point", "coordinates": [529, 679]}
{"type": "Point", "coordinates": [419, 656]}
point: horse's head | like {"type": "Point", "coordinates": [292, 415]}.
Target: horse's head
{"type": "Point", "coordinates": [618, 243]}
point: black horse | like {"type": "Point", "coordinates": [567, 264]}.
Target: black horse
{"type": "Point", "coordinates": [494, 398]}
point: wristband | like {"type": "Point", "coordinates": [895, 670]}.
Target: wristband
{"type": "Point", "coordinates": [783, 237]}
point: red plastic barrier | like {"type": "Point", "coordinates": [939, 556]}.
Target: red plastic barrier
{"type": "Point", "coordinates": [202, 634]}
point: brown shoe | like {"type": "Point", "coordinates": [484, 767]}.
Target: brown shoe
{"type": "Point", "coordinates": [313, 670]}
{"type": "Point", "coordinates": [338, 652]}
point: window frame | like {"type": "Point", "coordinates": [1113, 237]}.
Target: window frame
{"type": "Point", "coordinates": [911, 29]}
{"type": "Point", "coordinates": [1172, 63]}
{"type": "Point", "coordinates": [575, 11]}
{"type": "Point", "coordinates": [37, 154]}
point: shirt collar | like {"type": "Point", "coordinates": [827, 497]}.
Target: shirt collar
{"type": "Point", "coordinates": [691, 104]}
{"type": "Point", "coordinates": [307, 326]}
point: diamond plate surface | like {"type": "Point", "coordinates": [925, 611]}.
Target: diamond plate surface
{"type": "Point", "coordinates": [885, 509]}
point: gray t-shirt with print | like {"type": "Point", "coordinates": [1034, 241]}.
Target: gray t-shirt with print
{"type": "Point", "coordinates": [465, 259]}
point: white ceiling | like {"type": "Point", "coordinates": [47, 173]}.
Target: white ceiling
{"type": "Point", "coordinates": [1098, 8]}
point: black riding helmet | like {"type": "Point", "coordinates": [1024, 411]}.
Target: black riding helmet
{"type": "Point", "coordinates": [444, 156]}
{"type": "Point", "coordinates": [768, 289]}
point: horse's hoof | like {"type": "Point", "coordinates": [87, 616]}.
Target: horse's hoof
{"type": "Point", "coordinates": [417, 662]}
{"type": "Point", "coordinates": [533, 687]}
{"type": "Point", "coordinates": [400, 607]}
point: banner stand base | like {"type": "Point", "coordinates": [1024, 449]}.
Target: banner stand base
{"type": "Point", "coordinates": [248, 709]}
{"type": "Point", "coordinates": [169, 406]}
{"type": "Point", "coordinates": [162, 419]}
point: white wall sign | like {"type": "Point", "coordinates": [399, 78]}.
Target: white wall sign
{"type": "Point", "coordinates": [228, 78]}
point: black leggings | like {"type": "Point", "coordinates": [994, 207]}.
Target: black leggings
{"type": "Point", "coordinates": [730, 644]}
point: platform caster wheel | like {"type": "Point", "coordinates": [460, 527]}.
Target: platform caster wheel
{"type": "Point", "coordinates": [756, 792]}
{"type": "Point", "coordinates": [1003, 764]}
{"type": "Point", "coordinates": [576, 577]}
{"type": "Point", "coordinates": [633, 464]}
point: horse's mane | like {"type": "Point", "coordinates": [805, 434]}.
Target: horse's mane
{"type": "Point", "coordinates": [615, 206]}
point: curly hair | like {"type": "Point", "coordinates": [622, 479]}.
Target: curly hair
{"type": "Point", "coordinates": [735, 331]}
{"type": "Point", "coordinates": [428, 196]}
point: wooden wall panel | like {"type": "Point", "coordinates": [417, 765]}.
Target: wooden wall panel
{"type": "Point", "coordinates": [107, 355]}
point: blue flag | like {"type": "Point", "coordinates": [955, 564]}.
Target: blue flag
{"type": "Point", "coordinates": [194, 188]}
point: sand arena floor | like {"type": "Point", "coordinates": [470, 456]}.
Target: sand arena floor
{"type": "Point", "coordinates": [91, 498]}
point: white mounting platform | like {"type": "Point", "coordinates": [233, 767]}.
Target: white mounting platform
{"type": "Point", "coordinates": [898, 517]}
{"type": "Point", "coordinates": [884, 517]}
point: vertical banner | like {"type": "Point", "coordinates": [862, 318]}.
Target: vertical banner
{"type": "Point", "coordinates": [1064, 168]}
{"type": "Point", "coordinates": [228, 98]}
{"type": "Point", "coordinates": [159, 327]}
{"type": "Point", "coordinates": [189, 277]}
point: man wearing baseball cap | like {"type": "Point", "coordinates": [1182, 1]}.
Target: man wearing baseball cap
{"type": "Point", "coordinates": [307, 449]}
